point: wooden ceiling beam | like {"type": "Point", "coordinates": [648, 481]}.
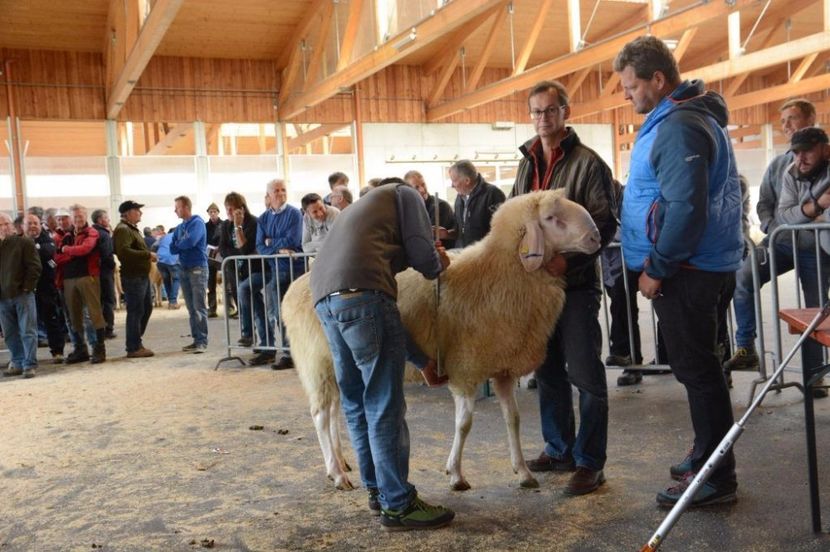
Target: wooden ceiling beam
{"type": "Point", "coordinates": [300, 32]}
{"type": "Point", "coordinates": [174, 135]}
{"type": "Point", "coordinates": [319, 47]}
{"type": "Point", "coordinates": [761, 59]}
{"type": "Point", "coordinates": [457, 40]}
{"type": "Point", "coordinates": [314, 134]}
{"type": "Point", "coordinates": [152, 32]}
{"type": "Point", "coordinates": [780, 92]}
{"type": "Point", "coordinates": [445, 20]}
{"type": "Point", "coordinates": [532, 37]}
{"type": "Point", "coordinates": [443, 78]}
{"type": "Point", "coordinates": [803, 67]}
{"type": "Point", "coordinates": [556, 68]}
{"type": "Point", "coordinates": [489, 44]}
{"type": "Point", "coordinates": [577, 79]}
{"type": "Point", "coordinates": [350, 34]}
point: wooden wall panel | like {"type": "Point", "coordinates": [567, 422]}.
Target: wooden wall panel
{"type": "Point", "coordinates": [55, 85]}
{"type": "Point", "coordinates": [179, 89]}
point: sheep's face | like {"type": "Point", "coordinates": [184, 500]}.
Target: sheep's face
{"type": "Point", "coordinates": [567, 227]}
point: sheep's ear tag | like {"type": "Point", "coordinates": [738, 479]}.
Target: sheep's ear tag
{"type": "Point", "coordinates": [532, 247]}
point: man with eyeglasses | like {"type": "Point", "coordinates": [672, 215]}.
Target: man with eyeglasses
{"type": "Point", "coordinates": [556, 159]}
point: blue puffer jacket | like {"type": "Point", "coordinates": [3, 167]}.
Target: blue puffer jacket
{"type": "Point", "coordinates": [682, 204]}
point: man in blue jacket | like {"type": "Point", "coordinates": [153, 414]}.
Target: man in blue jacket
{"type": "Point", "coordinates": [190, 244]}
{"type": "Point", "coordinates": [681, 226]}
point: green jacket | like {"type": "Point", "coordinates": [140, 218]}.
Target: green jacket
{"type": "Point", "coordinates": [131, 251]}
{"type": "Point", "coordinates": [19, 266]}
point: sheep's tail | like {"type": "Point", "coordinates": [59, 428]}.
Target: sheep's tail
{"type": "Point", "coordinates": [309, 347]}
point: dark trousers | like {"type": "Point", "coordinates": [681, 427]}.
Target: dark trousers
{"type": "Point", "coordinates": [230, 280]}
{"type": "Point", "coordinates": [47, 302]}
{"type": "Point", "coordinates": [108, 299]}
{"type": "Point", "coordinates": [573, 358]}
{"type": "Point", "coordinates": [139, 299]}
{"type": "Point", "coordinates": [724, 344]}
{"type": "Point", "coordinates": [213, 268]}
{"type": "Point", "coordinates": [619, 338]}
{"type": "Point", "coordinates": [688, 312]}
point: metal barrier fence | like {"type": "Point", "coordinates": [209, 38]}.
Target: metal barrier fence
{"type": "Point", "coordinates": [821, 258]}
{"type": "Point", "coordinates": [259, 286]}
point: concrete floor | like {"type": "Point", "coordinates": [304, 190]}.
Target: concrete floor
{"type": "Point", "coordinates": [158, 455]}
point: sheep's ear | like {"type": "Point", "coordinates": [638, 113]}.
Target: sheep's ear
{"type": "Point", "coordinates": [532, 247]}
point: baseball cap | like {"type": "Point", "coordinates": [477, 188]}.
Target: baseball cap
{"type": "Point", "coordinates": [807, 138]}
{"type": "Point", "coordinates": [129, 204]}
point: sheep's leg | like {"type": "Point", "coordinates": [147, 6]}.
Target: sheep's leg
{"type": "Point", "coordinates": [334, 470]}
{"type": "Point", "coordinates": [504, 387]}
{"type": "Point", "coordinates": [334, 432]}
{"type": "Point", "coordinates": [463, 422]}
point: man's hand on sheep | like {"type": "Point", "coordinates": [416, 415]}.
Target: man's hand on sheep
{"type": "Point", "coordinates": [557, 266]}
{"type": "Point", "coordinates": [649, 287]}
{"type": "Point", "coordinates": [442, 253]}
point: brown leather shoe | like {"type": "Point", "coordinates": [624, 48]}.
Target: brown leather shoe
{"type": "Point", "coordinates": [550, 463]}
{"type": "Point", "coordinates": [584, 481]}
{"type": "Point", "coordinates": [141, 353]}
{"type": "Point", "coordinates": [430, 373]}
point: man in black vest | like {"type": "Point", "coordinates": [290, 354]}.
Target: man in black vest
{"type": "Point", "coordinates": [354, 291]}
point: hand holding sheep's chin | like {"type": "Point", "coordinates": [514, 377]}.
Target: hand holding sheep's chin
{"type": "Point", "coordinates": [649, 287]}
{"type": "Point", "coordinates": [442, 254]}
{"type": "Point", "coordinates": [557, 266]}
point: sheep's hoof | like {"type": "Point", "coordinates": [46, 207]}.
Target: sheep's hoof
{"type": "Point", "coordinates": [529, 483]}
{"type": "Point", "coordinates": [344, 484]}
{"type": "Point", "coordinates": [460, 485]}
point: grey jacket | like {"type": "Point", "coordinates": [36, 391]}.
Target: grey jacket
{"type": "Point", "coordinates": [795, 192]}
{"type": "Point", "coordinates": [770, 191]}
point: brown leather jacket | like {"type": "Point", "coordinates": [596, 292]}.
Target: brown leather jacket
{"type": "Point", "coordinates": [587, 180]}
{"type": "Point", "coordinates": [19, 266]}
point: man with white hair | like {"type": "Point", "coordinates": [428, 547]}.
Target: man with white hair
{"type": "Point", "coordinates": [79, 257]}
{"type": "Point", "coordinates": [47, 300]}
{"type": "Point", "coordinates": [18, 314]}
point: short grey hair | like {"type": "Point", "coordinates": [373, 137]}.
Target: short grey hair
{"type": "Point", "coordinates": [273, 184]}
{"type": "Point", "coordinates": [466, 168]}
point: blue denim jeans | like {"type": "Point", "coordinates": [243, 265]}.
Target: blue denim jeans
{"type": "Point", "coordinates": [744, 301]}
{"type": "Point", "coordinates": [573, 358]}
{"type": "Point", "coordinates": [366, 338]}
{"type": "Point", "coordinates": [18, 317]}
{"type": "Point", "coordinates": [139, 299]}
{"type": "Point", "coordinates": [249, 294]}
{"type": "Point", "coordinates": [170, 279]}
{"type": "Point", "coordinates": [194, 289]}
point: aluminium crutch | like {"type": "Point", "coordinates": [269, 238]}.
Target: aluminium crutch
{"type": "Point", "coordinates": [726, 443]}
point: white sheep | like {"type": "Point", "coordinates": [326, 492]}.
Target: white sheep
{"type": "Point", "coordinates": [497, 311]}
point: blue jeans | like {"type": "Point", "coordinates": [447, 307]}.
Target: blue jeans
{"type": "Point", "coordinates": [194, 289]}
{"type": "Point", "coordinates": [18, 317]}
{"type": "Point", "coordinates": [744, 299]}
{"type": "Point", "coordinates": [577, 343]}
{"type": "Point", "coordinates": [139, 299]}
{"type": "Point", "coordinates": [249, 293]}
{"type": "Point", "coordinates": [170, 279]}
{"type": "Point", "coordinates": [366, 338]}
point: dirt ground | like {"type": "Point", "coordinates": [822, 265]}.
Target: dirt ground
{"type": "Point", "coordinates": [160, 454]}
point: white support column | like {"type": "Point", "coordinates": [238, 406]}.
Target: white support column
{"type": "Point", "coordinates": [734, 32]}
{"type": "Point", "coordinates": [574, 26]}
{"type": "Point", "coordinates": [202, 167]}
{"type": "Point", "coordinates": [113, 168]}
{"type": "Point", "coordinates": [768, 143]}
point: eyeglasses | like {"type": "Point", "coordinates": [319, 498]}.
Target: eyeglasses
{"type": "Point", "coordinates": [550, 111]}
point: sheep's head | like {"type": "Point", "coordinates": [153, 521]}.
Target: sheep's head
{"type": "Point", "coordinates": [551, 224]}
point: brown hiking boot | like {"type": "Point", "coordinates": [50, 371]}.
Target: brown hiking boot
{"type": "Point", "coordinates": [745, 359]}
{"type": "Point", "coordinates": [140, 353]}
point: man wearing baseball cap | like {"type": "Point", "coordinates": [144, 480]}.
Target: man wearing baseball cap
{"type": "Point", "coordinates": [135, 260]}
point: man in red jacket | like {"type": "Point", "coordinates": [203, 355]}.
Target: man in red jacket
{"type": "Point", "coordinates": [80, 262]}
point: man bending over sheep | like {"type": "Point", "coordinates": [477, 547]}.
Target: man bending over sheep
{"type": "Point", "coordinates": [354, 292]}
{"type": "Point", "coordinates": [554, 159]}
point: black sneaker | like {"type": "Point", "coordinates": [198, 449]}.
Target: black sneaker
{"type": "Point", "coordinates": [262, 358]}
{"type": "Point", "coordinates": [418, 515]}
{"type": "Point", "coordinates": [285, 363]}
{"type": "Point", "coordinates": [189, 348]}
{"type": "Point", "coordinates": [629, 377]}
{"type": "Point", "coordinates": [245, 341]}
{"type": "Point", "coordinates": [618, 360]}
{"type": "Point", "coordinates": [709, 493]}
{"type": "Point", "coordinates": [374, 503]}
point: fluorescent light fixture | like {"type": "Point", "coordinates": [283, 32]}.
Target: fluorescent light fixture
{"type": "Point", "coordinates": [670, 44]}
{"type": "Point", "coordinates": [406, 40]}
